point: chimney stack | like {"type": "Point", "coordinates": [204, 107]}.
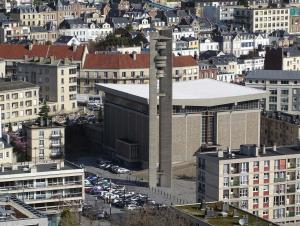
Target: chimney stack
{"type": "Point", "coordinates": [274, 147]}
{"type": "Point", "coordinates": [134, 55]}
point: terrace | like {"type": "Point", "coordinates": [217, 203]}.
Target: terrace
{"type": "Point", "coordinates": [219, 214]}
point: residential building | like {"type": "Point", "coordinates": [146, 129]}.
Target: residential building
{"type": "Point", "coordinates": [27, 16]}
{"type": "Point", "coordinates": [279, 128]}
{"type": "Point", "coordinates": [16, 212]}
{"type": "Point", "coordinates": [263, 19]}
{"type": "Point", "coordinates": [225, 76]}
{"type": "Point", "coordinates": [225, 63]}
{"type": "Point", "coordinates": [48, 186]}
{"type": "Point", "coordinates": [19, 102]}
{"type": "Point", "coordinates": [229, 117]}
{"type": "Point", "coordinates": [12, 30]}
{"type": "Point", "coordinates": [241, 43]}
{"type": "Point", "coordinates": [84, 32]}
{"type": "Point", "coordinates": [207, 70]}
{"type": "Point", "coordinates": [57, 80]}
{"type": "Point", "coordinates": [44, 141]}
{"type": "Point", "coordinates": [6, 150]}
{"type": "Point", "coordinates": [206, 214]}
{"type": "Point", "coordinates": [208, 44]}
{"type": "Point", "coordinates": [248, 63]}
{"type": "Point", "coordinates": [283, 88]}
{"type": "Point", "coordinates": [128, 69]}
{"type": "Point", "coordinates": [283, 59]}
{"type": "Point", "coordinates": [181, 31]}
{"type": "Point", "coordinates": [67, 40]}
{"type": "Point", "coordinates": [294, 20]}
{"type": "Point", "coordinates": [219, 13]}
{"type": "Point", "coordinates": [264, 182]}
{"type": "Point", "coordinates": [173, 17]}
{"type": "Point", "coordinates": [39, 35]}
{"type": "Point", "coordinates": [12, 54]}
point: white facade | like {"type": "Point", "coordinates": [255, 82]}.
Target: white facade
{"type": "Point", "coordinates": [226, 76]}
{"type": "Point", "coordinates": [186, 52]}
{"type": "Point", "coordinates": [208, 44]}
{"type": "Point", "coordinates": [250, 65]}
{"type": "Point", "coordinates": [179, 33]}
{"type": "Point", "coordinates": [219, 13]}
{"type": "Point", "coordinates": [91, 33]}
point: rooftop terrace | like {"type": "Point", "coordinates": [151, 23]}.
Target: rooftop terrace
{"type": "Point", "coordinates": [221, 214]}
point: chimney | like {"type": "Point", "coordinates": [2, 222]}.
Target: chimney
{"type": "Point", "coordinates": [30, 46]}
{"type": "Point", "coordinates": [26, 57]}
{"type": "Point", "coordinates": [274, 147]}
{"type": "Point", "coordinates": [134, 55]}
{"type": "Point", "coordinates": [74, 48]}
{"type": "Point", "coordinates": [52, 59]}
{"type": "Point", "coordinates": [220, 154]}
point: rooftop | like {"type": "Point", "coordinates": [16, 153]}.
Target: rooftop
{"type": "Point", "coordinates": [127, 61]}
{"type": "Point", "coordinates": [273, 75]}
{"type": "Point", "coordinates": [38, 167]}
{"type": "Point", "coordinates": [203, 92]}
{"type": "Point", "coordinates": [16, 85]}
{"type": "Point", "coordinates": [220, 214]}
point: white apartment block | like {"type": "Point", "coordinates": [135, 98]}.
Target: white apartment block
{"type": "Point", "coordinates": [263, 182]}
{"type": "Point", "coordinates": [47, 186]}
{"type": "Point", "coordinates": [250, 64]}
{"type": "Point", "coordinates": [45, 141]}
{"type": "Point", "coordinates": [57, 80]}
{"type": "Point", "coordinates": [263, 19]}
{"type": "Point", "coordinates": [19, 102]}
{"type": "Point", "coordinates": [86, 33]}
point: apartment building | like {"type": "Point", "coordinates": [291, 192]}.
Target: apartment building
{"type": "Point", "coordinates": [10, 30]}
{"type": "Point", "coordinates": [57, 80]}
{"type": "Point", "coordinates": [44, 141]}
{"type": "Point", "coordinates": [294, 20]}
{"type": "Point", "coordinates": [27, 15]}
{"type": "Point", "coordinates": [283, 88]}
{"type": "Point", "coordinates": [264, 182]}
{"type": "Point", "coordinates": [129, 69]}
{"type": "Point", "coordinates": [48, 186]}
{"type": "Point", "coordinates": [282, 59]}
{"type": "Point", "coordinates": [6, 150]}
{"type": "Point", "coordinates": [263, 19]}
{"type": "Point", "coordinates": [19, 102]}
{"type": "Point", "coordinates": [279, 128]}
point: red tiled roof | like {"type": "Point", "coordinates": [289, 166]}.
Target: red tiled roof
{"type": "Point", "coordinates": [126, 61]}
{"type": "Point", "coordinates": [11, 51]}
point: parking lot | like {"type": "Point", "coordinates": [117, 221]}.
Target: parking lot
{"type": "Point", "coordinates": [183, 191]}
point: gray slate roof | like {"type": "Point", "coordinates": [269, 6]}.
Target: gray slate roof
{"type": "Point", "coordinates": [273, 75]}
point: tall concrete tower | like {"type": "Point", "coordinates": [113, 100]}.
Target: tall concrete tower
{"type": "Point", "coordinates": [160, 116]}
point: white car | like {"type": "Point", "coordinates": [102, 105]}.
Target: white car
{"type": "Point", "coordinates": [131, 207]}
{"type": "Point", "coordinates": [111, 196]}
{"type": "Point", "coordinates": [122, 170]}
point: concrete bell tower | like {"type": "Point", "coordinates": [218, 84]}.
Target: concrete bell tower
{"type": "Point", "coordinates": [160, 109]}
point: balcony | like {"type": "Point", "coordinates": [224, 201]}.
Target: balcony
{"type": "Point", "coordinates": [235, 182]}
{"type": "Point", "coordinates": [266, 192]}
{"type": "Point", "coordinates": [291, 189]}
{"type": "Point", "coordinates": [266, 168]}
{"type": "Point", "coordinates": [266, 205]}
{"type": "Point", "coordinates": [276, 180]}
{"type": "Point", "coordinates": [255, 181]}
{"type": "Point", "coordinates": [255, 169]}
{"type": "Point", "coordinates": [55, 135]}
{"type": "Point", "coordinates": [255, 193]}
{"type": "Point", "coordinates": [266, 181]}
{"type": "Point", "coordinates": [55, 155]}
{"type": "Point", "coordinates": [255, 206]}
{"type": "Point", "coordinates": [290, 214]}
{"type": "Point", "coordinates": [53, 145]}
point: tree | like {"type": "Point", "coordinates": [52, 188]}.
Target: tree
{"type": "Point", "coordinates": [44, 112]}
{"type": "Point", "coordinates": [68, 218]}
{"type": "Point", "coordinates": [129, 28]}
{"type": "Point", "coordinates": [37, 3]}
{"type": "Point", "coordinates": [10, 127]}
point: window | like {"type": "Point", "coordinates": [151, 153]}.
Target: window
{"type": "Point", "coordinates": [279, 200]}
{"type": "Point", "coordinates": [266, 176]}
{"type": "Point", "coordinates": [1, 155]}
{"type": "Point", "coordinates": [124, 74]}
{"type": "Point", "coordinates": [244, 167]}
{"type": "Point", "coordinates": [255, 189]}
{"type": "Point", "coordinates": [62, 71]}
{"type": "Point", "coordinates": [226, 168]}
{"type": "Point", "coordinates": [41, 143]}
{"type": "Point", "coordinates": [273, 99]}
{"type": "Point", "coordinates": [273, 81]}
{"type": "Point", "coordinates": [266, 187]}
{"type": "Point", "coordinates": [266, 200]}
{"type": "Point", "coordinates": [297, 212]}
{"type": "Point", "coordinates": [244, 180]}
{"type": "Point", "coordinates": [226, 182]}
{"type": "Point", "coordinates": [255, 201]}
{"type": "Point", "coordinates": [285, 92]}
{"type": "Point", "coordinates": [284, 82]}
{"type": "Point", "coordinates": [41, 133]}
{"type": "Point", "coordinates": [244, 192]}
